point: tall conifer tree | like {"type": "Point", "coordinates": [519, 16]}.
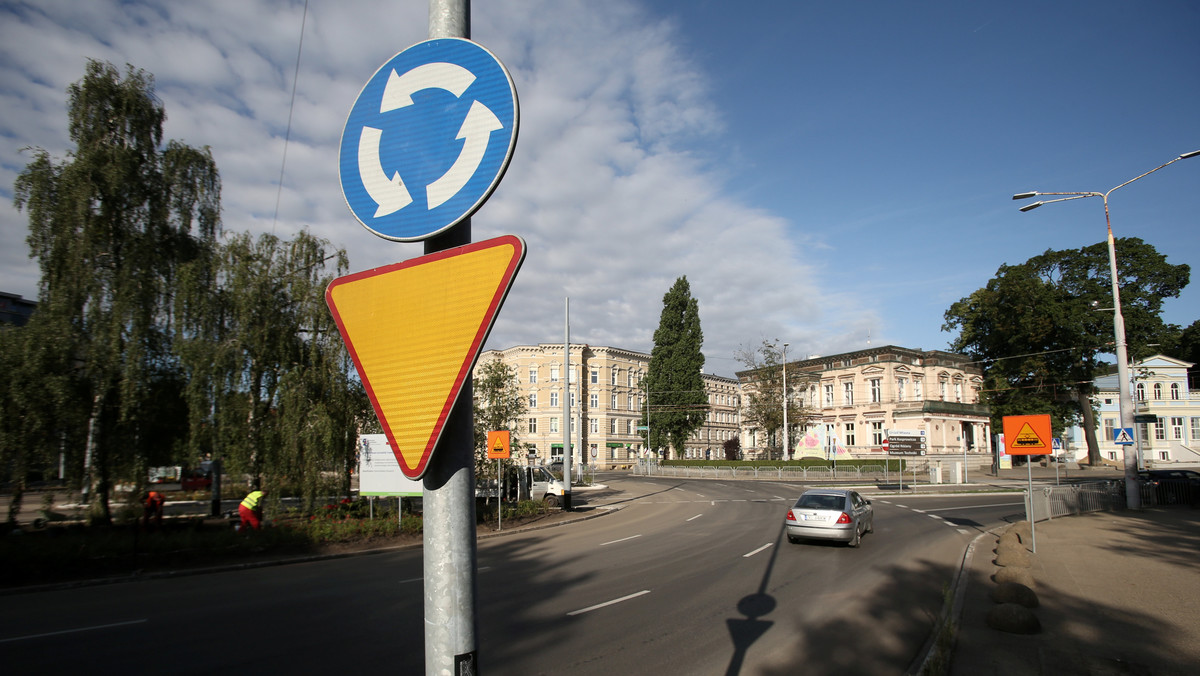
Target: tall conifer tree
{"type": "Point", "coordinates": [674, 387]}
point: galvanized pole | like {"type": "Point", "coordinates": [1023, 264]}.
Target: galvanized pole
{"type": "Point", "coordinates": [566, 404]}
{"type": "Point", "coordinates": [451, 642]}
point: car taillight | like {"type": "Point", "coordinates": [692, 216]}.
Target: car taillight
{"type": "Point", "coordinates": [844, 518]}
{"type": "Point", "coordinates": [791, 517]}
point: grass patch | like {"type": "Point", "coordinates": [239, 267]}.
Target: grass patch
{"type": "Point", "coordinates": [62, 552]}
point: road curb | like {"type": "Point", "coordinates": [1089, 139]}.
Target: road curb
{"type": "Point", "coordinates": [952, 612]}
{"type": "Point", "coordinates": [284, 561]}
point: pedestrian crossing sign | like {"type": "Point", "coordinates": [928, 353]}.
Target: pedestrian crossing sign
{"type": "Point", "coordinates": [1123, 436]}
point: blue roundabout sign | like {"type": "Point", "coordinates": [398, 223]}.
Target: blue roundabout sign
{"type": "Point", "coordinates": [428, 139]}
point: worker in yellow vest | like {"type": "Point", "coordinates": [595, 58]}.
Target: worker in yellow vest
{"type": "Point", "coordinates": [251, 509]}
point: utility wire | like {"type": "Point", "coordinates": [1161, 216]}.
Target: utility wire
{"type": "Point", "coordinates": [291, 108]}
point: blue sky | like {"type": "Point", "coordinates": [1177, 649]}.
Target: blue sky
{"type": "Point", "coordinates": [825, 174]}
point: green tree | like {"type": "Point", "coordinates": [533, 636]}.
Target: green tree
{"type": "Point", "coordinates": [763, 398]}
{"type": "Point", "coordinates": [1038, 332]}
{"type": "Point", "coordinates": [675, 397]}
{"type": "Point", "coordinates": [271, 387]}
{"type": "Point", "coordinates": [499, 406]}
{"type": "Point", "coordinates": [110, 227]}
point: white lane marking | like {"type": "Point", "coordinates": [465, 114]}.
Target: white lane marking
{"type": "Point", "coordinates": [935, 516]}
{"type": "Point", "coordinates": [919, 511]}
{"type": "Point", "coordinates": [776, 497]}
{"type": "Point", "coordinates": [901, 506]}
{"type": "Point", "coordinates": [964, 531]}
{"type": "Point", "coordinates": [955, 509]}
{"type": "Point", "coordinates": [484, 569]}
{"type": "Point", "coordinates": [695, 517]}
{"type": "Point", "coordinates": [613, 542]}
{"type": "Point", "coordinates": [766, 546]}
{"type": "Point", "coordinates": [71, 631]}
{"type": "Point", "coordinates": [608, 603]}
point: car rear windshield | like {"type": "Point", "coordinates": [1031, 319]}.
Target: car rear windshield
{"type": "Point", "coordinates": [821, 501]}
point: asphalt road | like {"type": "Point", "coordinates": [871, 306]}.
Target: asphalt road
{"type": "Point", "coordinates": [684, 577]}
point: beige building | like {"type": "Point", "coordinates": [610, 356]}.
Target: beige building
{"type": "Point", "coordinates": [855, 398]}
{"type": "Point", "coordinates": [604, 387]}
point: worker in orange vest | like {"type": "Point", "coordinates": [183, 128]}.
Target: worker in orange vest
{"type": "Point", "coordinates": [153, 509]}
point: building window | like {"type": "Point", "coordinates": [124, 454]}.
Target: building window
{"type": "Point", "coordinates": [876, 390]}
{"type": "Point", "coordinates": [1141, 391]}
{"type": "Point", "coordinates": [532, 375]}
{"type": "Point", "coordinates": [613, 403]}
{"type": "Point", "coordinates": [629, 380]}
{"type": "Point", "coordinates": [918, 389]}
{"type": "Point", "coordinates": [1164, 455]}
{"type": "Point", "coordinates": [958, 392]}
{"type": "Point", "coordinates": [554, 373]}
{"type": "Point", "coordinates": [553, 425]}
{"type": "Point", "coordinates": [829, 394]}
{"type": "Point", "coordinates": [1110, 428]}
{"type": "Point", "coordinates": [1160, 429]}
{"type": "Point", "coordinates": [1157, 391]}
{"type": "Point", "coordinates": [533, 425]}
{"type": "Point", "coordinates": [1177, 429]}
{"type": "Point", "coordinates": [848, 434]}
{"type": "Point", "coordinates": [847, 394]}
{"type": "Point", "coordinates": [573, 404]}
{"type": "Point", "coordinates": [877, 433]}
{"type": "Point", "coordinates": [901, 386]}
{"type": "Point", "coordinates": [1175, 391]}
{"type": "Point", "coordinates": [594, 400]}
{"type": "Point", "coordinates": [595, 376]}
{"type": "Point", "coordinates": [533, 400]}
{"type": "Point", "coordinates": [612, 426]}
{"type": "Point", "coordinates": [1196, 429]}
{"type": "Point", "coordinates": [629, 426]}
{"type": "Point", "coordinates": [594, 425]}
{"type": "Point", "coordinates": [632, 403]}
{"type": "Point", "coordinates": [615, 371]}
{"type": "Point", "coordinates": [942, 389]}
{"type": "Point", "coordinates": [572, 375]}
{"type": "Point", "coordinates": [830, 441]}
{"type": "Point", "coordinates": [553, 399]}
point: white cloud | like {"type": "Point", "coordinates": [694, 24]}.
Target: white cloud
{"type": "Point", "coordinates": [610, 183]}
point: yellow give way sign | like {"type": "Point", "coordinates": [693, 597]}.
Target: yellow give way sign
{"type": "Point", "coordinates": [415, 329]}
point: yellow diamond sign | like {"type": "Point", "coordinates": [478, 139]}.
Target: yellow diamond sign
{"type": "Point", "coordinates": [415, 329]}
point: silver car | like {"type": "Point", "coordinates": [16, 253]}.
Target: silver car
{"type": "Point", "coordinates": [830, 514]}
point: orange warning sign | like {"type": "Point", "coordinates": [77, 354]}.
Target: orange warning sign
{"type": "Point", "coordinates": [415, 329]}
{"type": "Point", "coordinates": [498, 445]}
{"type": "Point", "coordinates": [1027, 435]}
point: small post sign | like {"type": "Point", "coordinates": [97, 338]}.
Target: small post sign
{"type": "Point", "coordinates": [499, 445]}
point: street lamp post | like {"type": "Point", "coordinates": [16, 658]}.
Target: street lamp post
{"type": "Point", "coordinates": [1125, 397]}
{"type": "Point", "coordinates": [787, 449]}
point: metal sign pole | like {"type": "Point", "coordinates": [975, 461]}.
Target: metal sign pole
{"type": "Point", "coordinates": [1029, 514]}
{"type": "Point", "coordinates": [451, 642]}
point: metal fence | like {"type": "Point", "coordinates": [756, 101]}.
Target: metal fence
{"type": "Point", "coordinates": [846, 473]}
{"type": "Point", "coordinates": [1050, 502]}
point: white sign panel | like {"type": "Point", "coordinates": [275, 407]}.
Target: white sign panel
{"type": "Point", "coordinates": [378, 471]}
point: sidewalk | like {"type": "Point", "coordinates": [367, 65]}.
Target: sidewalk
{"type": "Point", "coordinates": [1118, 593]}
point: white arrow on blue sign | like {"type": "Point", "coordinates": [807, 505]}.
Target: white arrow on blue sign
{"type": "Point", "coordinates": [428, 139]}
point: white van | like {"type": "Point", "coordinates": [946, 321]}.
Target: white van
{"type": "Point", "coordinates": [541, 485]}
